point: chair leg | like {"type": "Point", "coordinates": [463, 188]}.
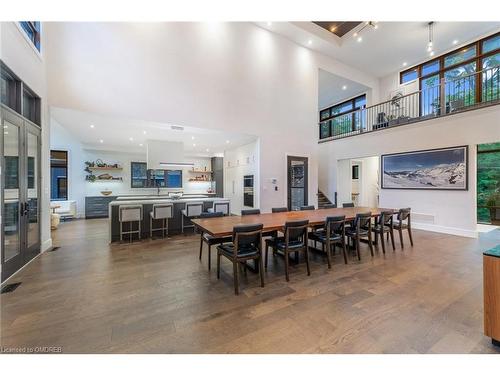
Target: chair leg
{"type": "Point", "coordinates": [287, 277]}
{"type": "Point", "coordinates": [166, 226]}
{"type": "Point", "coordinates": [267, 251]}
{"type": "Point", "coordinates": [139, 230]}
{"type": "Point", "coordinates": [370, 241]}
{"type": "Point", "coordinates": [382, 240]}
{"type": "Point", "coordinates": [401, 237]}
{"type": "Point", "coordinates": [392, 239]}
{"type": "Point", "coordinates": [201, 245]}
{"type": "Point", "coordinates": [357, 247]}
{"type": "Point", "coordinates": [328, 255]}
{"type": "Point", "coordinates": [411, 237]}
{"type": "Point", "coordinates": [209, 257]}
{"type": "Point", "coordinates": [235, 277]}
{"type": "Point", "coordinates": [218, 264]}
{"type": "Point", "coordinates": [261, 270]}
{"type": "Point", "coordinates": [182, 224]}
{"type": "Point", "coordinates": [307, 260]}
{"type": "Point", "coordinates": [344, 251]}
{"type": "Point", "coordinates": [150, 227]}
{"type": "Point", "coordinates": [121, 231]}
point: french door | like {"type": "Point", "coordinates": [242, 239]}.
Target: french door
{"type": "Point", "coordinates": [297, 182]}
{"type": "Point", "coordinates": [20, 195]}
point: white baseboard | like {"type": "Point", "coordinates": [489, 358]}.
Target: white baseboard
{"type": "Point", "coordinates": [46, 245]}
{"type": "Point", "coordinates": [447, 230]}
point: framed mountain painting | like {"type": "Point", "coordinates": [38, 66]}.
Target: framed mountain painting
{"type": "Point", "coordinates": [438, 169]}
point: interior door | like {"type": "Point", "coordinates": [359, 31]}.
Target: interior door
{"type": "Point", "coordinates": [11, 143]}
{"type": "Point", "coordinates": [297, 182]}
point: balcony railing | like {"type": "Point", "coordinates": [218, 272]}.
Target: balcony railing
{"type": "Point", "coordinates": [466, 92]}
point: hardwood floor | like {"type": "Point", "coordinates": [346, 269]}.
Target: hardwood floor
{"type": "Point", "coordinates": [157, 297]}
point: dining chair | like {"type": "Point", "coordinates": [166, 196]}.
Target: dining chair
{"type": "Point", "coordinates": [347, 205]}
{"type": "Point", "coordinates": [384, 225]}
{"type": "Point", "coordinates": [209, 239]}
{"type": "Point", "coordinates": [251, 211]}
{"type": "Point", "coordinates": [404, 214]}
{"type": "Point", "coordinates": [295, 239]}
{"type": "Point", "coordinates": [246, 245]}
{"type": "Point", "coordinates": [279, 209]}
{"type": "Point", "coordinates": [333, 233]}
{"type": "Point", "coordinates": [361, 228]}
{"type": "Point", "coordinates": [329, 205]}
{"type": "Point", "coordinates": [307, 208]}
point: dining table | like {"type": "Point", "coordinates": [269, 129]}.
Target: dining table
{"type": "Point", "coordinates": [223, 226]}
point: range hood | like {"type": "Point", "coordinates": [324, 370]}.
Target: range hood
{"type": "Point", "coordinates": [165, 155]}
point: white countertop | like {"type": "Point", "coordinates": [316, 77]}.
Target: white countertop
{"type": "Point", "coordinates": [164, 200]}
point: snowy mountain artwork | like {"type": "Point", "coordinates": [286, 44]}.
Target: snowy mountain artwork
{"type": "Point", "coordinates": [441, 169]}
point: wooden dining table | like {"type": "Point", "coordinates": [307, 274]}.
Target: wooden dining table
{"type": "Point", "coordinates": [223, 226]}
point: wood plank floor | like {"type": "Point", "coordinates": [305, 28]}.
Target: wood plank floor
{"type": "Point", "coordinates": [157, 297]}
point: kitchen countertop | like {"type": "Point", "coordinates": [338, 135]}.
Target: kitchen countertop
{"type": "Point", "coordinates": [164, 200]}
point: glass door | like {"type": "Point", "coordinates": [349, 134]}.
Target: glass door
{"type": "Point", "coordinates": [297, 182]}
{"type": "Point", "coordinates": [12, 258]}
{"type": "Point", "coordinates": [20, 181]}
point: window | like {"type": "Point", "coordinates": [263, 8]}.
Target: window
{"type": "Point", "coordinates": [488, 180]}
{"type": "Point", "coordinates": [409, 75]}
{"type": "Point", "coordinates": [31, 105]}
{"type": "Point", "coordinates": [355, 172]}
{"type": "Point", "coordinates": [491, 78]}
{"type": "Point", "coordinates": [460, 56]}
{"type": "Point", "coordinates": [141, 177]}
{"type": "Point", "coordinates": [32, 30]}
{"type": "Point", "coordinates": [491, 44]}
{"type": "Point", "coordinates": [10, 88]}
{"type": "Point", "coordinates": [341, 118]}
{"type": "Point", "coordinates": [58, 175]}
{"type": "Point", "coordinates": [430, 68]}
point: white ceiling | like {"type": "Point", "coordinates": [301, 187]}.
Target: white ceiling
{"type": "Point", "coordinates": [331, 89]}
{"type": "Point", "coordinates": [383, 51]}
{"type": "Point", "coordinates": [116, 133]}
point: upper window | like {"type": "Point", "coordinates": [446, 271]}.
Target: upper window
{"type": "Point", "coordinates": [409, 75]}
{"type": "Point", "coordinates": [460, 56]}
{"type": "Point", "coordinates": [430, 68]}
{"type": "Point", "coordinates": [341, 118]}
{"type": "Point", "coordinates": [32, 30]}
{"type": "Point", "coordinates": [491, 44]}
{"type": "Point", "coordinates": [141, 177]}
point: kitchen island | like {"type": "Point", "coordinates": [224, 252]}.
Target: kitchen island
{"type": "Point", "coordinates": [174, 224]}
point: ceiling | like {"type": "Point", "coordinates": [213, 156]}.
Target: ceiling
{"type": "Point", "coordinates": [119, 134]}
{"type": "Point", "coordinates": [384, 50]}
{"type": "Point", "coordinates": [333, 89]}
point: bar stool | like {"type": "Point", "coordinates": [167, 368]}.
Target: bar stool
{"type": "Point", "coordinates": [192, 211]}
{"type": "Point", "coordinates": [161, 212]}
{"type": "Point", "coordinates": [220, 206]}
{"type": "Point", "coordinates": [130, 213]}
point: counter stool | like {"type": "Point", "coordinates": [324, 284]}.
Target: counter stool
{"type": "Point", "coordinates": [220, 206]}
{"type": "Point", "coordinates": [192, 211]}
{"type": "Point", "coordinates": [130, 213]}
{"type": "Point", "coordinates": [161, 212]}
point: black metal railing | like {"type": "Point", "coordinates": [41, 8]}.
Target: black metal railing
{"type": "Point", "coordinates": [446, 97]}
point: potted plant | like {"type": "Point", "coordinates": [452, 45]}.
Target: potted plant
{"type": "Point", "coordinates": [493, 204]}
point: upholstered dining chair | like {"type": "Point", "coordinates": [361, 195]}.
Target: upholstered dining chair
{"type": "Point", "coordinates": [209, 239]}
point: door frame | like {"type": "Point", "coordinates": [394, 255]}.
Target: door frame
{"type": "Point", "coordinates": [289, 158]}
{"type": "Point", "coordinates": [25, 254]}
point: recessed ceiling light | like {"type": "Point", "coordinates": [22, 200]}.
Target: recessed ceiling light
{"type": "Point", "coordinates": [131, 139]}
{"type": "Point", "coordinates": [355, 35]}
{"type": "Point", "coordinates": [455, 42]}
{"type": "Point", "coordinates": [92, 126]}
{"type": "Point", "coordinates": [140, 144]}
{"type": "Point", "coordinates": [192, 137]}
{"type": "Point", "coordinates": [333, 28]}
{"type": "Point", "coordinates": [101, 140]}
{"type": "Point", "coordinates": [405, 63]}
{"type": "Point", "coordinates": [344, 87]}
{"type": "Point", "coordinates": [359, 39]}
{"type": "Point", "coordinates": [431, 53]}
{"type": "Point", "coordinates": [194, 144]}
{"type": "Point", "coordinates": [208, 150]}
{"type": "Point", "coordinates": [227, 141]}
{"type": "Point", "coordinates": [309, 42]}
{"type": "Point", "coordinates": [375, 26]}
{"type": "Point", "coordinates": [269, 23]}
{"type": "Point", "coordinates": [144, 132]}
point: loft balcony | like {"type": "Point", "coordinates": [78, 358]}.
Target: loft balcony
{"type": "Point", "coordinates": [446, 97]}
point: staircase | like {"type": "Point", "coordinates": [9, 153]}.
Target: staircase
{"type": "Point", "coordinates": [322, 199]}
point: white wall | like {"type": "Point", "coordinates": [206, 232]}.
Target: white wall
{"type": "Point", "coordinates": [451, 211]}
{"type": "Point", "coordinates": [226, 76]}
{"type": "Point", "coordinates": [238, 162]}
{"type": "Point", "coordinates": [78, 188]}
{"type": "Point", "coordinates": [20, 56]}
